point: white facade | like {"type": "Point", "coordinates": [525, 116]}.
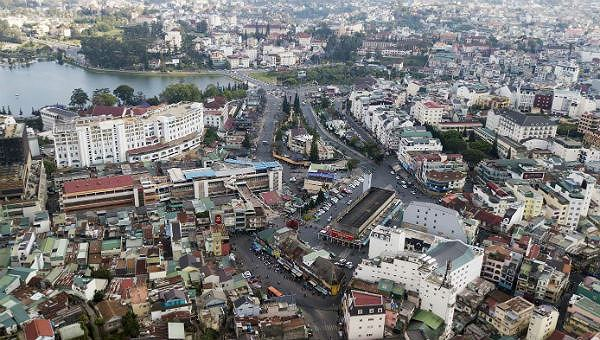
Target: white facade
{"type": "Point", "coordinates": [435, 219]}
{"type": "Point", "coordinates": [364, 315]}
{"type": "Point", "coordinates": [437, 276]}
{"type": "Point", "coordinates": [518, 126]}
{"type": "Point", "coordinates": [158, 134]}
{"type": "Point", "coordinates": [563, 100]}
{"type": "Point", "coordinates": [542, 323]}
{"type": "Point", "coordinates": [427, 112]}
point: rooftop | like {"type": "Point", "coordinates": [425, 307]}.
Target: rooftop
{"type": "Point", "coordinates": [97, 184]}
{"type": "Point", "coordinates": [363, 299]}
{"type": "Point", "coordinates": [363, 209]}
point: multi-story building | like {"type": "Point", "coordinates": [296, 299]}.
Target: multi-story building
{"type": "Point", "coordinates": [391, 241]}
{"type": "Point", "coordinates": [436, 276]}
{"type": "Point", "coordinates": [501, 170]}
{"type": "Point", "coordinates": [13, 141]}
{"type": "Point", "coordinates": [543, 322]}
{"type": "Point", "coordinates": [519, 126]}
{"type": "Point", "coordinates": [568, 198]}
{"type": "Point", "coordinates": [541, 281]}
{"type": "Point", "coordinates": [512, 317]}
{"type": "Point", "coordinates": [427, 112]}
{"type": "Point", "coordinates": [364, 315]}
{"type": "Point", "coordinates": [565, 101]}
{"type": "Point", "coordinates": [589, 122]}
{"type": "Point", "coordinates": [583, 316]}
{"type": "Point", "coordinates": [154, 135]}
{"type": "Point", "coordinates": [52, 116]}
{"type": "Point", "coordinates": [436, 220]}
{"type": "Point", "coordinates": [95, 193]}
{"type": "Point", "coordinates": [532, 201]}
{"type": "Point", "coordinates": [501, 266]}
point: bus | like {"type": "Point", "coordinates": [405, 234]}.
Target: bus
{"type": "Point", "coordinates": [274, 292]}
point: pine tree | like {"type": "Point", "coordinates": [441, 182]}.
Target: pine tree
{"type": "Point", "coordinates": [297, 107]}
{"type": "Point", "coordinates": [285, 107]}
{"type": "Point", "coordinates": [314, 149]}
{"type": "Point", "coordinates": [509, 154]}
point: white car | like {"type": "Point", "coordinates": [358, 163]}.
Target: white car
{"type": "Point", "coordinates": [246, 274]}
{"type": "Point", "coordinates": [360, 179]}
{"type": "Point", "coordinates": [349, 265]}
{"type": "Point", "coordinates": [334, 199]}
{"type": "Point", "coordinates": [392, 172]}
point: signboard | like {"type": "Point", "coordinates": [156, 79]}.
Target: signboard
{"type": "Point", "coordinates": [218, 219]}
{"type": "Point", "coordinates": [533, 175]}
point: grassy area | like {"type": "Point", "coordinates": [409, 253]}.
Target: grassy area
{"type": "Point", "coordinates": [266, 77]}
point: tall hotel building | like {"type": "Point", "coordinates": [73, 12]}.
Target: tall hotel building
{"type": "Point", "coordinates": [154, 135]}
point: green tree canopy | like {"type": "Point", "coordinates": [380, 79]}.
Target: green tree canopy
{"type": "Point", "coordinates": [103, 97]}
{"type": "Point", "coordinates": [314, 149]}
{"type": "Point", "coordinates": [125, 93]}
{"type": "Point", "coordinates": [131, 326]}
{"type": "Point", "coordinates": [176, 93]}
{"type": "Point", "coordinates": [79, 98]}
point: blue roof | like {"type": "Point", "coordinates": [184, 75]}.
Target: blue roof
{"type": "Point", "coordinates": [202, 172]}
{"type": "Point", "coordinates": [19, 314]}
{"type": "Point", "coordinates": [256, 165]}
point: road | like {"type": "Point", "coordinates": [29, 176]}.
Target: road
{"type": "Point", "coordinates": [320, 311]}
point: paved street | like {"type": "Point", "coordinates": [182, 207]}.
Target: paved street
{"type": "Point", "coordinates": [319, 311]}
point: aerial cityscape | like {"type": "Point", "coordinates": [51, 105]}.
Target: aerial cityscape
{"type": "Point", "coordinates": [300, 169]}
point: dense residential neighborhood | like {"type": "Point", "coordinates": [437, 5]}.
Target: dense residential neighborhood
{"type": "Point", "coordinates": [270, 169]}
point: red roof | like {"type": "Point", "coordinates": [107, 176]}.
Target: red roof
{"type": "Point", "coordinates": [115, 111]}
{"type": "Point", "coordinates": [433, 105]}
{"type": "Point", "coordinates": [303, 35]}
{"type": "Point", "coordinates": [215, 103]}
{"type": "Point", "coordinates": [38, 328]}
{"type": "Point", "coordinates": [271, 198]}
{"type": "Point", "coordinates": [366, 299]}
{"type": "Point", "coordinates": [97, 184]}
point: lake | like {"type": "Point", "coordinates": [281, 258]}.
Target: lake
{"type": "Point", "coordinates": [47, 83]}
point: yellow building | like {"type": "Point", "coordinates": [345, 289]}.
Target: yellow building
{"type": "Point", "coordinates": [533, 201]}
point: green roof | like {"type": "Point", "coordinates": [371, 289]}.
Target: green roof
{"type": "Point", "coordinates": [47, 245]}
{"type": "Point", "coordinates": [428, 318]}
{"type": "Point", "coordinates": [4, 257]}
{"type": "Point", "coordinates": [111, 244]}
{"type": "Point", "coordinates": [19, 313]}
{"type": "Point", "coordinates": [385, 286]}
{"type": "Point", "coordinates": [589, 306]}
{"type": "Point", "coordinates": [21, 272]}
{"type": "Point", "coordinates": [6, 281]}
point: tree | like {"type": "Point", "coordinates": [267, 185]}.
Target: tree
{"type": "Point", "coordinates": [473, 156]}
{"type": "Point", "coordinates": [297, 108]}
{"type": "Point", "coordinates": [153, 101]}
{"type": "Point", "coordinates": [49, 166]}
{"type": "Point", "coordinates": [125, 93]}
{"type": "Point", "coordinates": [131, 326]}
{"type": "Point", "coordinates": [98, 296]}
{"type": "Point", "coordinates": [102, 273]}
{"type": "Point", "coordinates": [314, 149]}
{"type": "Point", "coordinates": [202, 27]}
{"type": "Point", "coordinates": [210, 136]}
{"type": "Point", "coordinates": [104, 97]}
{"type": "Point", "coordinates": [246, 142]}
{"type": "Point", "coordinates": [79, 98]}
{"type": "Point", "coordinates": [285, 106]}
{"type": "Point", "coordinates": [509, 154]}
{"type": "Point", "coordinates": [351, 164]}
{"type": "Point", "coordinates": [176, 93]}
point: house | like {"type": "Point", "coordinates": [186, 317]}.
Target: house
{"type": "Point", "coordinates": [111, 313]}
{"type": "Point", "coordinates": [39, 329]}
{"type": "Point", "coordinates": [246, 306]}
{"type": "Point", "coordinates": [364, 315]}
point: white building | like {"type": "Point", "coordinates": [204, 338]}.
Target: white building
{"type": "Point", "coordinates": [436, 220]}
{"type": "Point", "coordinates": [391, 241]}
{"type": "Point", "coordinates": [436, 276]}
{"type": "Point", "coordinates": [542, 323]}
{"type": "Point", "coordinates": [173, 39]}
{"type": "Point", "coordinates": [566, 73]}
{"type": "Point", "coordinates": [519, 126]}
{"type": "Point", "coordinates": [52, 116]}
{"type": "Point", "coordinates": [155, 135]}
{"type": "Point", "coordinates": [427, 112]}
{"type": "Point", "coordinates": [564, 100]}
{"type": "Point", "coordinates": [364, 315]}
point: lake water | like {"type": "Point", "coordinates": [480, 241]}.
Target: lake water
{"type": "Point", "coordinates": [47, 83]}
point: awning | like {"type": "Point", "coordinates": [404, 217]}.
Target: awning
{"type": "Point", "coordinates": [297, 272]}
